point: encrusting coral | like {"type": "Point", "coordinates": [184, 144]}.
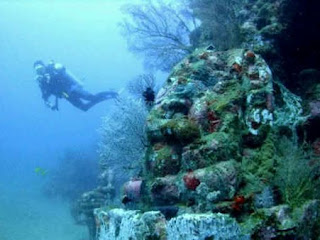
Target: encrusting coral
{"type": "Point", "coordinates": [215, 146]}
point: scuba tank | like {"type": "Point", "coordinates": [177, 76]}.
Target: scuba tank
{"type": "Point", "coordinates": [63, 79]}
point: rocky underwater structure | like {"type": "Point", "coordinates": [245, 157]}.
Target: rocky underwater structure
{"type": "Point", "coordinates": [225, 160]}
{"type": "Point", "coordinates": [233, 153]}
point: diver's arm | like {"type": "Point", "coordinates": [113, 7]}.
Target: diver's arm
{"type": "Point", "coordinates": [43, 81]}
{"type": "Point", "coordinates": [53, 107]}
{"type": "Point", "coordinates": [56, 106]}
{"type": "Point", "coordinates": [45, 97]}
{"type": "Point", "coordinates": [46, 100]}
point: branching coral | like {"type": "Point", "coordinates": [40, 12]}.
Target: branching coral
{"type": "Point", "coordinates": [124, 138]}
{"type": "Point", "coordinates": [159, 32]}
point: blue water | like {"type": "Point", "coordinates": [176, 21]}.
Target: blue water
{"type": "Point", "coordinates": [84, 36]}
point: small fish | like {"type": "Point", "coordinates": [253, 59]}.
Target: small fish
{"type": "Point", "coordinates": [40, 171]}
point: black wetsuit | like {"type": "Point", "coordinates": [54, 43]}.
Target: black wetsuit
{"type": "Point", "coordinates": [60, 83]}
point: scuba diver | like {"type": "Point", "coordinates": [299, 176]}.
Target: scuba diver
{"type": "Point", "coordinates": [54, 79]}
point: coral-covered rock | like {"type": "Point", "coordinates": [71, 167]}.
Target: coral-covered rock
{"type": "Point", "coordinates": [164, 161]}
{"type": "Point", "coordinates": [165, 191]}
{"type": "Point", "coordinates": [193, 159]}
{"type": "Point", "coordinates": [222, 177]}
{"type": "Point", "coordinates": [204, 226]}
{"type": "Point", "coordinates": [83, 209]}
{"type": "Point", "coordinates": [122, 224]}
{"type": "Point", "coordinates": [211, 104]}
{"type": "Point", "coordinates": [220, 141]}
{"type": "Point", "coordinates": [281, 31]}
{"type": "Point", "coordinates": [283, 221]}
{"type": "Point", "coordinates": [181, 131]}
{"type": "Point", "coordinates": [308, 219]}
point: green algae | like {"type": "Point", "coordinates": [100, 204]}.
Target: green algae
{"type": "Point", "coordinates": [214, 148]}
{"type": "Point", "coordinates": [232, 93]}
{"type": "Point", "coordinates": [180, 130]}
{"type": "Point", "coordinates": [258, 167]}
{"type": "Point", "coordinates": [166, 162]}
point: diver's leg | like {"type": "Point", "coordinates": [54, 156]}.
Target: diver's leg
{"type": "Point", "coordinates": [78, 103]}
{"type": "Point", "coordinates": [101, 96]}
{"type": "Point", "coordinates": [83, 94]}
{"type": "Point", "coordinates": [92, 99]}
{"type": "Point", "coordinates": [107, 95]}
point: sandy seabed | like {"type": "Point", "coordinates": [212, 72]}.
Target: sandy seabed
{"type": "Point", "coordinates": [25, 214]}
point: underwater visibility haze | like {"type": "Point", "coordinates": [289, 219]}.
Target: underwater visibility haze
{"type": "Point", "coordinates": [160, 119]}
{"type": "Point", "coordinates": [84, 36]}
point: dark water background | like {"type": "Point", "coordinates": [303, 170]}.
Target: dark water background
{"type": "Point", "coordinates": [84, 36]}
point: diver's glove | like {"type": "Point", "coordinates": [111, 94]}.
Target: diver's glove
{"type": "Point", "coordinates": [52, 107]}
{"type": "Point", "coordinates": [55, 108]}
